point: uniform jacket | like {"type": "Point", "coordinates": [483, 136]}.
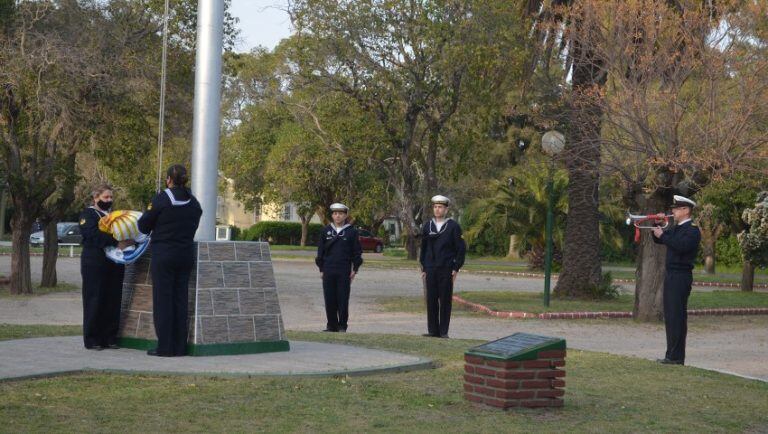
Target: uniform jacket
{"type": "Point", "coordinates": [339, 251]}
{"type": "Point", "coordinates": [682, 243]}
{"type": "Point", "coordinates": [444, 248]}
{"type": "Point", "coordinates": [93, 238]}
{"type": "Point", "coordinates": [172, 218]}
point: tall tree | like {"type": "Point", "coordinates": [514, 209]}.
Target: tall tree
{"type": "Point", "coordinates": [561, 33]}
{"type": "Point", "coordinates": [54, 77]}
{"type": "Point", "coordinates": [685, 104]}
{"type": "Point", "coordinates": [411, 66]}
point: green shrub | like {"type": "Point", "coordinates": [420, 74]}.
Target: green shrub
{"type": "Point", "coordinates": [727, 251]}
{"type": "Point", "coordinates": [288, 233]}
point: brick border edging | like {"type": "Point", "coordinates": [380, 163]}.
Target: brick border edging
{"type": "Point", "coordinates": [591, 315]}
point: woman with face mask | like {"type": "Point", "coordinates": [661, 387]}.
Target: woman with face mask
{"type": "Point", "coordinates": [102, 278]}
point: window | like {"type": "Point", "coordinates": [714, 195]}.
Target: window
{"type": "Point", "coordinates": [257, 213]}
{"type": "Point", "coordinates": [287, 212]}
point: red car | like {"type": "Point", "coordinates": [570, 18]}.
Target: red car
{"type": "Point", "coordinates": [369, 242]}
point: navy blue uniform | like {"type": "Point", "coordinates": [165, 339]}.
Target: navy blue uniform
{"type": "Point", "coordinates": [442, 253]}
{"type": "Point", "coordinates": [172, 219]}
{"type": "Point", "coordinates": [682, 243]}
{"type": "Point", "coordinates": [338, 254]}
{"type": "Point", "coordinates": [102, 283]}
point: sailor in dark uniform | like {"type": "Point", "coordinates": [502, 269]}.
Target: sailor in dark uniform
{"type": "Point", "coordinates": [172, 218]}
{"type": "Point", "coordinates": [442, 256]}
{"type": "Point", "coordinates": [339, 256]}
{"type": "Point", "coordinates": [682, 243]}
{"type": "Point", "coordinates": [102, 278]}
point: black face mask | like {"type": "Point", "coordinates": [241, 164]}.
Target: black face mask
{"type": "Point", "coordinates": [104, 205]}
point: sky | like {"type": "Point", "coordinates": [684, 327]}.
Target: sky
{"type": "Point", "coordinates": [262, 22]}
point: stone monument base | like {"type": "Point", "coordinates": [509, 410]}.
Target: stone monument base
{"type": "Point", "coordinates": [233, 305]}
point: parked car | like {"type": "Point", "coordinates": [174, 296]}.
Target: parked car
{"type": "Point", "coordinates": [369, 242]}
{"type": "Point", "coordinates": [68, 233]}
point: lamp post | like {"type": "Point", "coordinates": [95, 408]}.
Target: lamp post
{"type": "Point", "coordinates": [552, 142]}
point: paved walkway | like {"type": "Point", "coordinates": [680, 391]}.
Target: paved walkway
{"type": "Point", "coordinates": [729, 344]}
{"type": "Point", "coordinates": [49, 356]}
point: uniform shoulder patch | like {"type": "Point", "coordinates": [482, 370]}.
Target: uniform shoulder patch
{"type": "Point", "coordinates": [82, 221]}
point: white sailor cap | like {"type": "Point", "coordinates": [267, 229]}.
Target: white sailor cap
{"type": "Point", "coordinates": [339, 207]}
{"type": "Point", "coordinates": [681, 201]}
{"type": "Point", "coordinates": [440, 199]}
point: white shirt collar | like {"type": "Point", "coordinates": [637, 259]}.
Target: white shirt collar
{"type": "Point", "coordinates": [684, 221]}
{"type": "Point", "coordinates": [337, 229]}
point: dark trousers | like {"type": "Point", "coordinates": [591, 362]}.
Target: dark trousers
{"type": "Point", "coordinates": [336, 288]}
{"type": "Point", "coordinates": [677, 289]}
{"type": "Point", "coordinates": [102, 294]}
{"type": "Point", "coordinates": [439, 300]}
{"type": "Point", "coordinates": [171, 268]}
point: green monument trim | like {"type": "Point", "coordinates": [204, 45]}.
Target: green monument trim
{"type": "Point", "coordinates": [518, 346]}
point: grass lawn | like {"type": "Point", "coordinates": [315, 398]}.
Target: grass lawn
{"type": "Point", "coordinates": [11, 331]}
{"type": "Point", "coordinates": [38, 290]}
{"type": "Point", "coordinates": [597, 399]}
{"type": "Point", "coordinates": [532, 302]}
{"type": "Point", "coordinates": [274, 247]}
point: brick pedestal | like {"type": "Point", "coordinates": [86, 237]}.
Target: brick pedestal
{"type": "Point", "coordinates": [533, 378]}
{"type": "Point", "coordinates": [233, 305]}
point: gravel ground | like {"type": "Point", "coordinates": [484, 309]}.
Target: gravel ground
{"type": "Point", "coordinates": [729, 344]}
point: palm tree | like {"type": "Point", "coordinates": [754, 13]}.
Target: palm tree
{"type": "Point", "coordinates": [518, 207]}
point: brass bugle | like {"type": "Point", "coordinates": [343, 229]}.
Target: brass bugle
{"type": "Point", "coordinates": [649, 221]}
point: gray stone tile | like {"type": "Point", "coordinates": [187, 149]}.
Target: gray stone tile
{"type": "Point", "coordinates": [266, 327]}
{"type": "Point", "coordinates": [129, 322]}
{"type": "Point", "coordinates": [252, 301]}
{"type": "Point", "coordinates": [271, 303]}
{"type": "Point", "coordinates": [202, 251]}
{"type": "Point", "coordinates": [225, 302]}
{"type": "Point", "coordinates": [214, 329]}
{"type": "Point", "coordinates": [204, 302]}
{"type": "Point", "coordinates": [241, 329]}
{"type": "Point", "coordinates": [265, 252]}
{"type": "Point", "coordinates": [146, 327]}
{"type": "Point", "coordinates": [210, 275]}
{"type": "Point", "coordinates": [248, 251]}
{"type": "Point", "coordinates": [236, 275]}
{"type": "Point", "coordinates": [140, 271]}
{"type": "Point", "coordinates": [262, 275]}
{"type": "Point", "coordinates": [221, 251]}
{"type": "Point", "coordinates": [142, 298]}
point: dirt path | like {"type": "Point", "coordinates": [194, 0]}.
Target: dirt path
{"type": "Point", "coordinates": [728, 344]}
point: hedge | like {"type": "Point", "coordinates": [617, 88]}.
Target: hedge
{"type": "Point", "coordinates": [287, 233]}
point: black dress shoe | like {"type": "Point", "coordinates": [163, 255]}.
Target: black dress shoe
{"type": "Point", "coordinates": [330, 330]}
{"type": "Point", "coordinates": [110, 347]}
{"type": "Point", "coordinates": [153, 352]}
{"type": "Point", "coordinates": [430, 335]}
{"type": "Point", "coordinates": [666, 361]}
{"type": "Point", "coordinates": [94, 348]}
{"type": "Point", "coordinates": [445, 336]}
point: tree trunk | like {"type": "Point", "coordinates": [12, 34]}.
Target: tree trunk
{"type": "Point", "coordinates": [304, 231]}
{"type": "Point", "coordinates": [747, 276]}
{"type": "Point", "coordinates": [50, 255]}
{"type": "Point", "coordinates": [649, 277]}
{"type": "Point", "coordinates": [708, 240]}
{"type": "Point", "coordinates": [21, 277]}
{"type": "Point", "coordinates": [581, 245]}
{"type": "Point", "coordinates": [709, 264]}
{"type": "Point", "coordinates": [3, 206]}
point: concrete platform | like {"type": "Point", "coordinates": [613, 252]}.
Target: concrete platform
{"type": "Point", "coordinates": [41, 357]}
